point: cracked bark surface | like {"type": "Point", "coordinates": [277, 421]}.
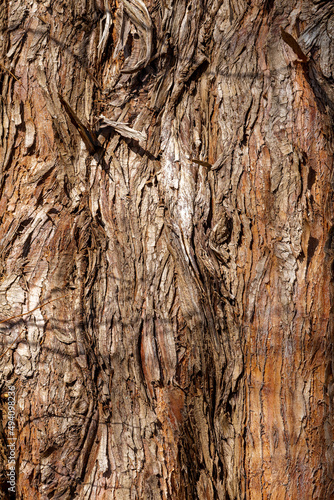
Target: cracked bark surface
{"type": "Point", "coordinates": [192, 354]}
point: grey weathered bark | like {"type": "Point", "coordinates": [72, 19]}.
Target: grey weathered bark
{"type": "Point", "coordinates": [189, 245]}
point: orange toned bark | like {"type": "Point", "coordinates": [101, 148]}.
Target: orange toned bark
{"type": "Point", "coordinates": [166, 176]}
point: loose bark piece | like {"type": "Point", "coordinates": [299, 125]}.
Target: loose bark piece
{"type": "Point", "coordinates": [91, 143]}
{"type": "Point", "coordinates": [293, 44]}
{"type": "Point", "coordinates": [123, 129]}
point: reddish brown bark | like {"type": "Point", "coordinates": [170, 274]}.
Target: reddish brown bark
{"type": "Point", "coordinates": [167, 176]}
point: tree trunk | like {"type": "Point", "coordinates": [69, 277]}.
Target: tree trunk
{"type": "Point", "coordinates": [166, 203]}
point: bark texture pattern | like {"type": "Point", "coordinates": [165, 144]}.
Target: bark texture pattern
{"type": "Point", "coordinates": [166, 173]}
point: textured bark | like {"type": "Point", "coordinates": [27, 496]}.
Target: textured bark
{"type": "Point", "coordinates": [189, 353]}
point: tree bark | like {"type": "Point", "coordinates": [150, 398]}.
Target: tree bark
{"type": "Point", "coordinates": [166, 198]}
